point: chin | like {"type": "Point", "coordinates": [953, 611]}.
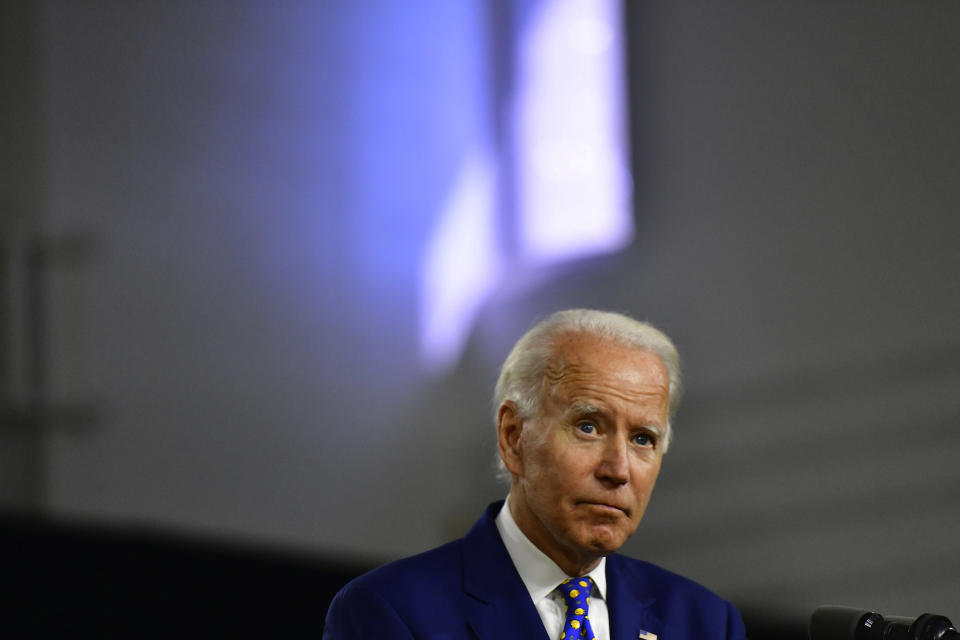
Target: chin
{"type": "Point", "coordinates": [605, 542]}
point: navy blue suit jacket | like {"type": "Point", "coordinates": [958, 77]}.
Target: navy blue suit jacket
{"type": "Point", "coordinates": [469, 588]}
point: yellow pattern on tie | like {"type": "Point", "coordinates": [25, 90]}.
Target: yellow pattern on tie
{"type": "Point", "coordinates": [576, 594]}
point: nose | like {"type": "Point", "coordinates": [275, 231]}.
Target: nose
{"type": "Point", "coordinates": [614, 465]}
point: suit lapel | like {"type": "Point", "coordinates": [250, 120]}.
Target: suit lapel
{"type": "Point", "coordinates": [629, 596]}
{"type": "Point", "coordinates": [499, 605]}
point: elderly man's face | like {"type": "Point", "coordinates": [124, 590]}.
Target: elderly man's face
{"type": "Point", "coordinates": [584, 470]}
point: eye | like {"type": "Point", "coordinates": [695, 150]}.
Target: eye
{"type": "Point", "coordinates": [643, 439]}
{"type": "Point", "coordinates": [587, 427]}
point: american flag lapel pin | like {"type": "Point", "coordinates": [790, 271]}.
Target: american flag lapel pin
{"type": "Point", "coordinates": [646, 635]}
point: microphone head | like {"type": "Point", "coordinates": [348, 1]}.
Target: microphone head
{"type": "Point", "coordinates": [836, 623]}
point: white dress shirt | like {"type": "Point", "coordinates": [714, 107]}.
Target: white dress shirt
{"type": "Point", "coordinates": [541, 576]}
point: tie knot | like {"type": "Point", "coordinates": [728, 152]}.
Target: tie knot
{"type": "Point", "coordinates": [576, 591]}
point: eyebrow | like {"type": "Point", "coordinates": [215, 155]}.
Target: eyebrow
{"type": "Point", "coordinates": [583, 408]}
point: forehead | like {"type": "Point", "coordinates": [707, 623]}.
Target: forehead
{"type": "Point", "coordinates": [589, 366]}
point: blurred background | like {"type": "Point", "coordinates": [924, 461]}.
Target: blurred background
{"type": "Point", "coordinates": [260, 263]}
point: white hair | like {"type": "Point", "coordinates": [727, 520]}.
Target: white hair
{"type": "Point", "coordinates": [522, 374]}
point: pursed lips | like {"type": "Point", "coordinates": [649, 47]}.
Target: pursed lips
{"type": "Point", "coordinates": [606, 505]}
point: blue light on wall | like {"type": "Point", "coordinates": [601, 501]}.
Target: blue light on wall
{"type": "Point", "coordinates": [462, 263]}
{"type": "Point", "coordinates": [570, 180]}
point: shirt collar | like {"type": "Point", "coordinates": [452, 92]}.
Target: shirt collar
{"type": "Point", "coordinates": [539, 573]}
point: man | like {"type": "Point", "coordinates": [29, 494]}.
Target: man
{"type": "Point", "coordinates": [583, 409]}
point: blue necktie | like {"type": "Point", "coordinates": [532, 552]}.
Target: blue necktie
{"type": "Point", "coordinates": [576, 593]}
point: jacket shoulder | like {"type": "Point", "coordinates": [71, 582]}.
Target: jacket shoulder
{"type": "Point", "coordinates": [436, 568]}
{"type": "Point", "coordinates": [399, 599]}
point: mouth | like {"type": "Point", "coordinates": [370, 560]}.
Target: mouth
{"type": "Point", "coordinates": [606, 507]}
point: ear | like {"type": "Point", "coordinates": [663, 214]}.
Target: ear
{"type": "Point", "coordinates": [509, 429]}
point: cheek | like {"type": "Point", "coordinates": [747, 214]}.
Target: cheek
{"type": "Point", "coordinates": [545, 472]}
{"type": "Point", "coordinates": [573, 469]}
{"type": "Point", "coordinates": [644, 480]}
{"type": "Point", "coordinates": [550, 457]}
{"type": "Point", "coordinates": [560, 481]}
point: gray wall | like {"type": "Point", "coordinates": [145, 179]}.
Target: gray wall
{"type": "Point", "coordinates": [250, 345]}
{"type": "Point", "coordinates": [802, 179]}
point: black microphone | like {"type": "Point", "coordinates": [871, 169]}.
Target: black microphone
{"type": "Point", "coordinates": [846, 623]}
